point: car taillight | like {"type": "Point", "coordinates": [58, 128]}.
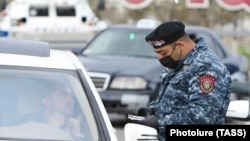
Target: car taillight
{"type": "Point", "coordinates": [4, 14]}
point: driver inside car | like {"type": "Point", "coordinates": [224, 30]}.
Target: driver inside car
{"type": "Point", "coordinates": [58, 108]}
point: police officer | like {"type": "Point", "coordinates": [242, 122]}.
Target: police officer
{"type": "Point", "coordinates": [195, 86]}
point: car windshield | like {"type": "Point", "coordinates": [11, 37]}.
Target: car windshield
{"type": "Point", "coordinates": [122, 42]}
{"type": "Point", "coordinates": [28, 97]}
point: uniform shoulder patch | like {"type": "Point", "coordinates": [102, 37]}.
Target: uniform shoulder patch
{"type": "Point", "coordinates": [207, 83]}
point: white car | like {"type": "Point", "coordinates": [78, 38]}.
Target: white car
{"type": "Point", "coordinates": [29, 70]}
{"type": "Point", "coordinates": [55, 21]}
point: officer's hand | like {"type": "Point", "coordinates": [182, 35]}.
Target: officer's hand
{"type": "Point", "coordinates": [143, 112]}
{"type": "Point", "coordinates": [151, 121]}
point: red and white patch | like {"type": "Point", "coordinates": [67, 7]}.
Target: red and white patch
{"type": "Point", "coordinates": [157, 43]}
{"type": "Point", "coordinates": [207, 83]}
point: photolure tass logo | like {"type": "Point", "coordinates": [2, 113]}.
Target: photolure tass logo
{"type": "Point", "coordinates": [215, 132]}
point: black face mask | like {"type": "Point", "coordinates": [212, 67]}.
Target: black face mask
{"type": "Point", "coordinates": [168, 61]}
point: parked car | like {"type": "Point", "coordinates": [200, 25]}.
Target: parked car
{"type": "Point", "coordinates": [29, 70]}
{"type": "Point", "coordinates": [125, 69]}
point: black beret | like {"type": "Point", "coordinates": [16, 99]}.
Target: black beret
{"type": "Point", "coordinates": [166, 33]}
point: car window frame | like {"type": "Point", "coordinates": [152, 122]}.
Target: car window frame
{"type": "Point", "coordinates": [103, 134]}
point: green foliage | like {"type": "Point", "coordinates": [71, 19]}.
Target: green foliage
{"type": "Point", "coordinates": [244, 51]}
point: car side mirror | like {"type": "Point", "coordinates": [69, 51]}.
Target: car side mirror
{"type": "Point", "coordinates": [76, 51]}
{"type": "Point", "coordinates": [135, 132]}
{"type": "Point", "coordinates": [238, 109]}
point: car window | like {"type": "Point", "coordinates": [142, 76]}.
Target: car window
{"type": "Point", "coordinates": [122, 42]}
{"type": "Point", "coordinates": [23, 98]}
{"type": "Point", "coordinates": [38, 11]}
{"type": "Point", "coordinates": [65, 11]}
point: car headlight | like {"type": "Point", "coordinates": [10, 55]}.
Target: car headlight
{"type": "Point", "coordinates": [129, 83]}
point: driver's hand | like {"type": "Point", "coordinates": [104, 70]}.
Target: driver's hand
{"type": "Point", "coordinates": [74, 127]}
{"type": "Point", "coordinates": [57, 119]}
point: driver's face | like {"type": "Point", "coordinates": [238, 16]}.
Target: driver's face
{"type": "Point", "coordinates": [63, 101]}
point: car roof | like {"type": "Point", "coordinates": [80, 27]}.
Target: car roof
{"type": "Point", "coordinates": [188, 27]}
{"type": "Point", "coordinates": [118, 26]}
{"type": "Point", "coordinates": [17, 55]}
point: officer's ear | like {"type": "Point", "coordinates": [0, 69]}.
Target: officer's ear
{"type": "Point", "coordinates": [180, 45]}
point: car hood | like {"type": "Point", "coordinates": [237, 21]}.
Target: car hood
{"type": "Point", "coordinates": [126, 66]}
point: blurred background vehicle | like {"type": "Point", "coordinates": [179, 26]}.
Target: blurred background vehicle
{"type": "Point", "coordinates": [62, 23]}
{"type": "Point", "coordinates": [125, 69]}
